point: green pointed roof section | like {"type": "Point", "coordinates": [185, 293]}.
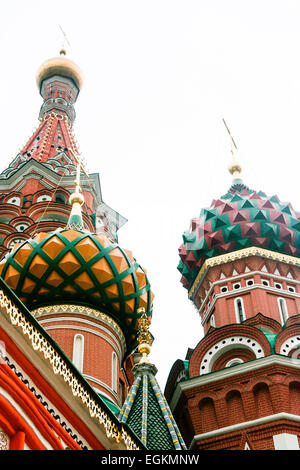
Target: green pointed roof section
{"type": "Point", "coordinates": [75, 221]}
{"type": "Point", "coordinates": [147, 412]}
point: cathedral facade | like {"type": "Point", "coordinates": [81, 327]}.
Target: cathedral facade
{"type": "Point", "coordinates": [76, 308]}
{"type": "Point", "coordinates": [239, 388]}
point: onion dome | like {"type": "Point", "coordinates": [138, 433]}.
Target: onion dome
{"type": "Point", "coordinates": [61, 66]}
{"type": "Point", "coordinates": [239, 219]}
{"type": "Point", "coordinates": [74, 265]}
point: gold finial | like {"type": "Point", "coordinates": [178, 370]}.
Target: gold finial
{"type": "Point", "coordinates": [77, 195]}
{"type": "Point", "coordinates": [76, 200]}
{"type": "Point", "coordinates": [60, 65]}
{"type": "Point", "coordinates": [65, 39]}
{"type": "Point", "coordinates": [144, 337]}
{"type": "Point", "coordinates": [234, 166]}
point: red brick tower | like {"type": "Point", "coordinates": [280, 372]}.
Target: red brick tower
{"type": "Point", "coordinates": [239, 388]}
{"type": "Point", "coordinates": [35, 188]}
{"type": "Point", "coordinates": [59, 249]}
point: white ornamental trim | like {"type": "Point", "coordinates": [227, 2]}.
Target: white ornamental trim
{"type": "Point", "coordinates": [4, 441]}
{"type": "Point", "coordinates": [82, 310]}
{"type": "Point", "coordinates": [292, 343]}
{"type": "Point", "coordinates": [227, 344]}
{"type": "Point", "coordinates": [114, 430]}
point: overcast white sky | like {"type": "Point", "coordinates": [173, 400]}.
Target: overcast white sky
{"type": "Point", "coordinates": [159, 78]}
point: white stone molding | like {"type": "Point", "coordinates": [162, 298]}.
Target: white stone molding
{"type": "Point", "coordinates": [4, 441]}
{"type": "Point", "coordinates": [227, 344]}
{"type": "Point", "coordinates": [245, 424]}
{"type": "Point", "coordinates": [113, 344]}
{"type": "Point", "coordinates": [290, 344]}
{"type": "Point", "coordinates": [286, 441]}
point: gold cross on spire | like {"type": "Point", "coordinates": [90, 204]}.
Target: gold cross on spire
{"type": "Point", "coordinates": [65, 40]}
{"type": "Point", "coordinates": [77, 195]}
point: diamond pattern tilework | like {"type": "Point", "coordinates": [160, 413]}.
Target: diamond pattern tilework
{"type": "Point", "coordinates": [78, 266]}
{"type": "Point", "coordinates": [23, 253]}
{"type": "Point", "coordinates": [87, 248]}
{"type": "Point", "coordinates": [53, 247]}
{"type": "Point", "coordinates": [69, 263]}
{"type": "Point", "coordinates": [102, 270]}
{"type": "Point", "coordinates": [239, 219]}
{"type": "Point", "coordinates": [38, 266]}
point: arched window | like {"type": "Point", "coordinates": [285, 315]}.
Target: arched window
{"type": "Point", "coordinates": [207, 415]}
{"type": "Point", "coordinates": [60, 198]}
{"type": "Point", "coordinates": [114, 372]}
{"type": "Point", "coordinates": [235, 407]}
{"type": "Point", "coordinates": [121, 391]}
{"type": "Point", "coordinates": [212, 321]}
{"type": "Point", "coordinates": [262, 400]}
{"type": "Point", "coordinates": [78, 351]}
{"type": "Point", "coordinates": [239, 310]}
{"type": "Point", "coordinates": [294, 397]}
{"type": "Point", "coordinates": [282, 310]}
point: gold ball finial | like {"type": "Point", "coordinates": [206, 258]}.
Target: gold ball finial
{"type": "Point", "coordinates": [76, 197]}
{"type": "Point", "coordinates": [235, 168]}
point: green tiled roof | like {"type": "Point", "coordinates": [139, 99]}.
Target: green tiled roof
{"type": "Point", "coordinates": [114, 408]}
{"type": "Point", "coordinates": [147, 412]}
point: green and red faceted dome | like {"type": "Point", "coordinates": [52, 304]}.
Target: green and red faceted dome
{"type": "Point", "coordinates": [239, 219]}
{"type": "Point", "coordinates": [76, 266]}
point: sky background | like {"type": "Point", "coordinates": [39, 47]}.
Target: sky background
{"type": "Point", "coordinates": [159, 78]}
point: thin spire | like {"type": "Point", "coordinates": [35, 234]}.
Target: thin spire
{"type": "Point", "coordinates": [145, 409]}
{"type": "Point", "coordinates": [76, 200]}
{"type": "Point", "coordinates": [63, 50]}
{"type": "Point", "coordinates": [234, 166]}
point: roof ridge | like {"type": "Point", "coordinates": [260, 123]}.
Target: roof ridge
{"type": "Point", "coordinates": [144, 386]}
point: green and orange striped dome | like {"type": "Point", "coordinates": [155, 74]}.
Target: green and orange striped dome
{"type": "Point", "coordinates": [72, 265]}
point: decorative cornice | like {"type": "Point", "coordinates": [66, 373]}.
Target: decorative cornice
{"type": "Point", "coordinates": [230, 372]}
{"type": "Point", "coordinates": [143, 368]}
{"type": "Point", "coordinates": [49, 406]}
{"type": "Point", "coordinates": [81, 310]}
{"type": "Point", "coordinates": [239, 254]}
{"type": "Point", "coordinates": [92, 331]}
{"type": "Point", "coordinates": [245, 424]}
{"type": "Point", "coordinates": [60, 366]}
{"type": "Point", "coordinates": [237, 292]}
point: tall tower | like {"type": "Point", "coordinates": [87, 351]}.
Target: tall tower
{"type": "Point", "coordinates": [59, 246]}
{"type": "Point", "coordinates": [239, 388]}
{"type": "Point", "coordinates": [36, 186]}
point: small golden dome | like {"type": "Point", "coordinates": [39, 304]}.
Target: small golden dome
{"type": "Point", "coordinates": [60, 66]}
{"type": "Point", "coordinates": [76, 197]}
{"type": "Point", "coordinates": [234, 168]}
